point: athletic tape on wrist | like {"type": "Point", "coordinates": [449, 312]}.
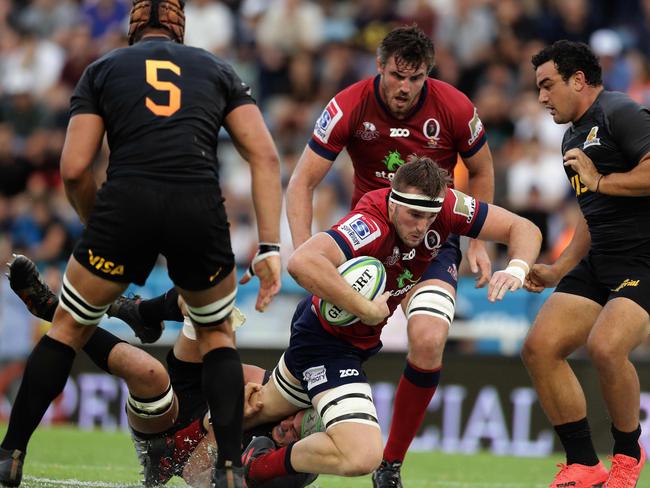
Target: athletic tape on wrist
{"type": "Point", "coordinates": [265, 250]}
{"type": "Point", "coordinates": [517, 272]}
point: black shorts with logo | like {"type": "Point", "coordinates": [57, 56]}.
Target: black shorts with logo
{"type": "Point", "coordinates": [136, 219]}
{"type": "Point", "coordinates": [604, 277]}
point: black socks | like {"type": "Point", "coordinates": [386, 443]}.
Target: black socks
{"type": "Point", "coordinates": [576, 439]}
{"type": "Point", "coordinates": [45, 376]}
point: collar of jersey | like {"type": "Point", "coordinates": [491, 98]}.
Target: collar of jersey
{"type": "Point", "coordinates": [155, 38]}
{"type": "Point", "coordinates": [414, 110]}
{"type": "Point", "coordinates": [590, 110]}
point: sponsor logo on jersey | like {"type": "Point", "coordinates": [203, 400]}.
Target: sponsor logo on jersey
{"type": "Point", "coordinates": [247, 89]}
{"type": "Point", "coordinates": [399, 132]}
{"type": "Point", "coordinates": [314, 376]}
{"type": "Point", "coordinates": [465, 205]}
{"type": "Point", "coordinates": [453, 271]}
{"type": "Point", "coordinates": [431, 130]}
{"type": "Point", "coordinates": [393, 258]}
{"type": "Point", "coordinates": [432, 242]}
{"type": "Point", "coordinates": [592, 138]}
{"type": "Point", "coordinates": [393, 160]}
{"type": "Point", "coordinates": [627, 282]}
{"type": "Point", "coordinates": [359, 231]}
{"type": "Point", "coordinates": [105, 266]}
{"type": "Point", "coordinates": [344, 373]}
{"type": "Point", "coordinates": [368, 133]}
{"type": "Point", "coordinates": [327, 121]}
{"type": "Point", "coordinates": [405, 282]}
{"type": "Point", "coordinates": [475, 126]}
{"type": "Point", "coordinates": [407, 256]}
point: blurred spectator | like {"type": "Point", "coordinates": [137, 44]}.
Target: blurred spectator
{"type": "Point", "coordinates": [80, 52]}
{"type": "Point", "coordinates": [306, 20]}
{"type": "Point", "coordinates": [33, 65]}
{"type": "Point", "coordinates": [574, 20]}
{"type": "Point", "coordinates": [13, 170]}
{"type": "Point", "coordinates": [617, 73]}
{"type": "Point", "coordinates": [209, 25]}
{"type": "Point", "coordinates": [44, 18]}
{"type": "Point", "coordinates": [105, 16]}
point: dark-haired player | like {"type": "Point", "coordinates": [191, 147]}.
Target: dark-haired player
{"type": "Point", "coordinates": [161, 105]}
{"type": "Point", "coordinates": [602, 299]}
{"type": "Point", "coordinates": [323, 365]}
{"type": "Point", "coordinates": [380, 121]}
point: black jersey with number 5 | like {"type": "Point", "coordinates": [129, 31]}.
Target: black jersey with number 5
{"type": "Point", "coordinates": [615, 134]}
{"type": "Point", "coordinates": [163, 104]}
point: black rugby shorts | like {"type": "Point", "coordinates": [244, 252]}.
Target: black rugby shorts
{"type": "Point", "coordinates": [604, 277]}
{"type": "Point", "coordinates": [134, 220]}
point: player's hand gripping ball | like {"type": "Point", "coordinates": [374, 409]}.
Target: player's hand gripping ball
{"type": "Point", "coordinates": [367, 276]}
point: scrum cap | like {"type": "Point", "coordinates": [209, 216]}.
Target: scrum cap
{"type": "Point", "coordinates": [167, 14]}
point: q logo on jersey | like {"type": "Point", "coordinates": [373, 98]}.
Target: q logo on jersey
{"type": "Point", "coordinates": [431, 130]}
{"type": "Point", "coordinates": [432, 242]}
{"type": "Point", "coordinates": [359, 230]}
{"type": "Point", "coordinates": [327, 121]}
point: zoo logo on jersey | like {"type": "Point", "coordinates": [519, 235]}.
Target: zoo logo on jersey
{"type": "Point", "coordinates": [327, 121]}
{"type": "Point", "coordinates": [592, 138]}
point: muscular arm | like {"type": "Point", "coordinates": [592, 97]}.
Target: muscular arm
{"type": "Point", "coordinates": [313, 266]}
{"type": "Point", "coordinates": [309, 172]}
{"type": "Point", "coordinates": [522, 237]}
{"type": "Point", "coordinates": [82, 141]}
{"type": "Point", "coordinates": [253, 141]}
{"type": "Point", "coordinates": [481, 187]}
{"type": "Point", "coordinates": [633, 183]}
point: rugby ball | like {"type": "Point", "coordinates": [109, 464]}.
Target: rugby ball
{"type": "Point", "coordinates": [367, 276]}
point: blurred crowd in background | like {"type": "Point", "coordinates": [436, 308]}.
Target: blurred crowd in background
{"type": "Point", "coordinates": [296, 54]}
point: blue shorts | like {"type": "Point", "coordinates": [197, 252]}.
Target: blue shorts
{"type": "Point", "coordinates": [318, 359]}
{"type": "Point", "coordinates": [445, 266]}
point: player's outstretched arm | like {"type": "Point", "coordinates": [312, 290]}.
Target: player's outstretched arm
{"type": "Point", "coordinates": [309, 172]}
{"type": "Point", "coordinates": [82, 141]}
{"type": "Point", "coordinates": [524, 241]}
{"type": "Point", "coordinates": [253, 141]}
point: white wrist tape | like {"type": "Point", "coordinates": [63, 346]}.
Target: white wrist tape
{"type": "Point", "coordinates": [516, 271]}
{"type": "Point", "coordinates": [520, 262]}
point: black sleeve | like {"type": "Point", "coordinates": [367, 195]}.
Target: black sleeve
{"type": "Point", "coordinates": [84, 99]}
{"type": "Point", "coordinates": [630, 127]}
{"type": "Point", "coordinates": [239, 93]}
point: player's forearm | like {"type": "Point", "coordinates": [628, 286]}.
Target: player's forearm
{"type": "Point", "coordinates": [81, 193]}
{"type": "Point", "coordinates": [316, 274]}
{"type": "Point", "coordinates": [267, 199]}
{"type": "Point", "coordinates": [299, 211]}
{"type": "Point", "coordinates": [576, 250]}
{"type": "Point", "coordinates": [633, 183]}
{"type": "Point", "coordinates": [524, 241]}
{"type": "Point", "coordinates": [481, 184]}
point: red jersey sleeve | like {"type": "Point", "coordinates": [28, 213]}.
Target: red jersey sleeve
{"type": "Point", "coordinates": [468, 132]}
{"type": "Point", "coordinates": [462, 214]}
{"type": "Point", "coordinates": [334, 127]}
{"type": "Point", "coordinates": [358, 234]}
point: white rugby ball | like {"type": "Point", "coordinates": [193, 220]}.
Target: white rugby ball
{"type": "Point", "coordinates": [367, 276]}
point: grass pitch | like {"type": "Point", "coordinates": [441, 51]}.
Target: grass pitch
{"type": "Point", "coordinates": [68, 457]}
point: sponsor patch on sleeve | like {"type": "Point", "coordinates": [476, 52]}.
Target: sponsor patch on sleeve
{"type": "Point", "coordinates": [359, 230]}
{"type": "Point", "coordinates": [315, 376]}
{"type": "Point", "coordinates": [475, 126]}
{"type": "Point", "coordinates": [464, 205]}
{"type": "Point", "coordinates": [327, 121]}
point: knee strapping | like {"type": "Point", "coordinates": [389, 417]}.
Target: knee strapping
{"type": "Point", "coordinates": [434, 301]}
{"type": "Point", "coordinates": [82, 311]}
{"type": "Point", "coordinates": [348, 403]}
{"type": "Point", "coordinates": [213, 313]}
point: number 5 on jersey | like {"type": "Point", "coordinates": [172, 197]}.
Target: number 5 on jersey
{"type": "Point", "coordinates": [174, 104]}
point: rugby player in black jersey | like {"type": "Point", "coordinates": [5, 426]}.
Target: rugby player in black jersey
{"type": "Point", "coordinates": [161, 105]}
{"type": "Point", "coordinates": [602, 299]}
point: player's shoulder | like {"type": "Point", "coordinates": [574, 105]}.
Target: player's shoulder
{"type": "Point", "coordinates": [613, 102]}
{"type": "Point", "coordinates": [376, 199]}
{"type": "Point", "coordinates": [445, 91]}
{"type": "Point", "coordinates": [355, 92]}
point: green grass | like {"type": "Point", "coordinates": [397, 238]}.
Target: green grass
{"type": "Point", "coordinates": [68, 457]}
